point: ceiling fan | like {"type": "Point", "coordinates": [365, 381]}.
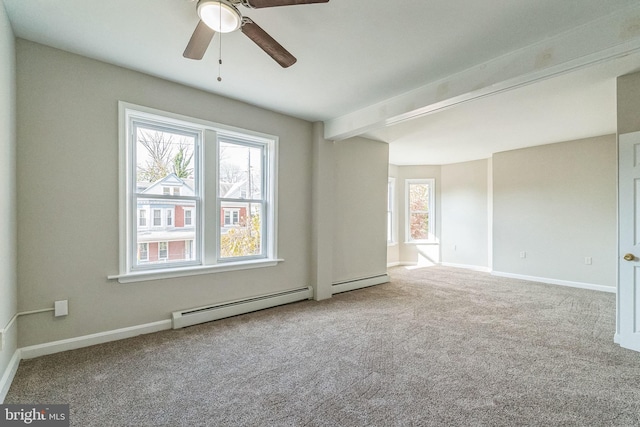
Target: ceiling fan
{"type": "Point", "coordinates": [224, 17]}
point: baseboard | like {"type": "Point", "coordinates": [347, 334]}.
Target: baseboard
{"type": "Point", "coordinates": [590, 286]}
{"type": "Point", "coordinates": [616, 338]}
{"type": "Point", "coordinates": [88, 340]}
{"type": "Point", "coordinates": [393, 264]}
{"type": "Point", "coordinates": [467, 267]}
{"type": "Point", "coordinates": [9, 374]}
{"type": "Point", "coordinates": [352, 285]}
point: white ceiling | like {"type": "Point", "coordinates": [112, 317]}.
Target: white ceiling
{"type": "Point", "coordinates": [356, 53]}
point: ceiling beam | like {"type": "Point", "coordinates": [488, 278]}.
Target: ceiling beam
{"type": "Point", "coordinates": [599, 41]}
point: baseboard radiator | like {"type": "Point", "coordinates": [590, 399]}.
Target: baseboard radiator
{"type": "Point", "coordinates": [193, 316]}
{"type": "Point", "coordinates": [352, 285]}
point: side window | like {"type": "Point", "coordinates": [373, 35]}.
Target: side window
{"type": "Point", "coordinates": [420, 203]}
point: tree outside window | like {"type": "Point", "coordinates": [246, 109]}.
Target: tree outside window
{"type": "Point", "coordinates": [420, 215]}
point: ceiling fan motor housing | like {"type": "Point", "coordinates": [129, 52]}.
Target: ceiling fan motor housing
{"type": "Point", "coordinates": [220, 15]}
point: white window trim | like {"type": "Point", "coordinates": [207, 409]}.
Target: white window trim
{"type": "Point", "coordinates": [166, 258]}
{"type": "Point", "coordinates": [144, 243]}
{"type": "Point", "coordinates": [432, 212]}
{"type": "Point", "coordinates": [191, 217]}
{"type": "Point", "coordinates": [391, 188]}
{"type": "Point", "coordinates": [207, 238]}
{"type": "Point", "coordinates": [146, 218]}
{"type": "Point", "coordinates": [153, 218]}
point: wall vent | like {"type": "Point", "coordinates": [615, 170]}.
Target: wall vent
{"type": "Point", "coordinates": [193, 316]}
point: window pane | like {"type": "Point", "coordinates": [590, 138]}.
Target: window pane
{"type": "Point", "coordinates": [168, 242]}
{"type": "Point", "coordinates": [419, 226]}
{"type": "Point", "coordinates": [164, 160]}
{"type": "Point", "coordinates": [419, 197]}
{"type": "Point", "coordinates": [243, 238]}
{"type": "Point", "coordinates": [240, 171]}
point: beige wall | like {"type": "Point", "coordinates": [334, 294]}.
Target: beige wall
{"type": "Point", "coordinates": [8, 281]}
{"type": "Point", "coordinates": [465, 213]}
{"type": "Point", "coordinates": [359, 209]}
{"type": "Point", "coordinates": [423, 254]}
{"type": "Point", "coordinates": [67, 162]}
{"type": "Point", "coordinates": [557, 203]}
{"type": "Point", "coordinates": [628, 88]}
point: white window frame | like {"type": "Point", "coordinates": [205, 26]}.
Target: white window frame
{"type": "Point", "coordinates": [168, 217]}
{"type": "Point", "coordinates": [147, 251]}
{"type": "Point", "coordinates": [184, 221]}
{"type": "Point", "coordinates": [391, 197]}
{"type": "Point", "coordinates": [231, 212]}
{"type": "Point", "coordinates": [145, 217]}
{"type": "Point", "coordinates": [432, 212]}
{"type": "Point", "coordinates": [166, 257]}
{"type": "Point", "coordinates": [205, 252]}
{"type": "Point", "coordinates": [159, 217]}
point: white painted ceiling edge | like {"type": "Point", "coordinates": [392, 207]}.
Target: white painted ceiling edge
{"type": "Point", "coordinates": [559, 89]}
{"type": "Point", "coordinates": [507, 65]}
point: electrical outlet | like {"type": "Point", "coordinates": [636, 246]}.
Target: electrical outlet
{"type": "Point", "coordinates": [587, 260]}
{"type": "Point", "coordinates": [455, 247]}
{"type": "Point", "coordinates": [523, 254]}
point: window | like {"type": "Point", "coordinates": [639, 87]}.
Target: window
{"type": "Point", "coordinates": [390, 197]}
{"type": "Point", "coordinates": [142, 218]}
{"type": "Point", "coordinates": [157, 217]}
{"type": "Point", "coordinates": [420, 199]}
{"type": "Point", "coordinates": [231, 217]}
{"type": "Point", "coordinates": [241, 166]}
{"type": "Point", "coordinates": [188, 217]}
{"type": "Point", "coordinates": [163, 251]}
{"type": "Point", "coordinates": [143, 252]}
{"type": "Point", "coordinates": [166, 159]}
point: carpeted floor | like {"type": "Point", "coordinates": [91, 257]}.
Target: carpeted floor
{"type": "Point", "coordinates": [435, 347]}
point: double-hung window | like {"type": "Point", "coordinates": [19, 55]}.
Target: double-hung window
{"type": "Point", "coordinates": [420, 210]}
{"type": "Point", "coordinates": [390, 202]}
{"type": "Point", "coordinates": [211, 169]}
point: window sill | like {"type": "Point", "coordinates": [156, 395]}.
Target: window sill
{"type": "Point", "coordinates": [142, 276]}
{"type": "Point", "coordinates": [390, 244]}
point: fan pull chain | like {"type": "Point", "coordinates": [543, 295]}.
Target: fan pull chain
{"type": "Point", "coordinates": [220, 50]}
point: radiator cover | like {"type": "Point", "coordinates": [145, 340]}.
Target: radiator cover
{"type": "Point", "coordinates": [194, 316]}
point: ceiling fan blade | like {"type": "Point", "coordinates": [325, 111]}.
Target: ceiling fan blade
{"type": "Point", "coordinates": [267, 43]}
{"type": "Point", "coordinates": [199, 41]}
{"type": "Point", "coordinates": [257, 4]}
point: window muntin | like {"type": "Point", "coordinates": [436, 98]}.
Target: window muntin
{"type": "Point", "coordinates": [420, 202]}
{"type": "Point", "coordinates": [191, 237]}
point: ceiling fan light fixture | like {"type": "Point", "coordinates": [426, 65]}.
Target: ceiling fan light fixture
{"type": "Point", "coordinates": [219, 15]}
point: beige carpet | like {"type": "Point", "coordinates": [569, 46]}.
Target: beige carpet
{"type": "Point", "coordinates": [436, 346]}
